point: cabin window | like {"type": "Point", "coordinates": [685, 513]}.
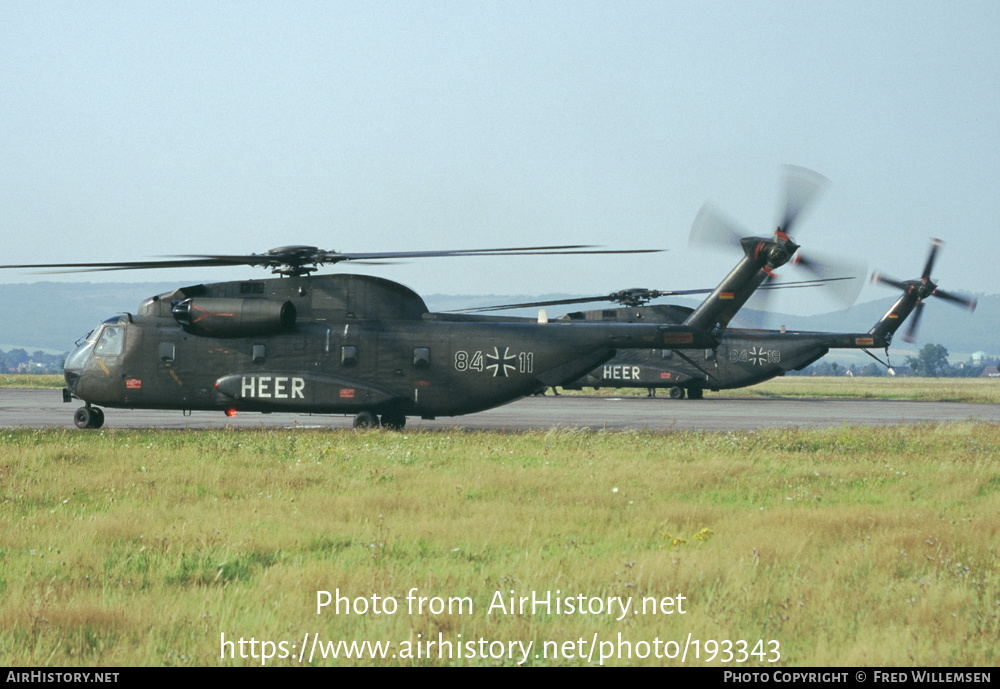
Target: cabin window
{"type": "Point", "coordinates": [167, 352]}
{"type": "Point", "coordinates": [251, 288]}
{"type": "Point", "coordinates": [421, 357]}
{"type": "Point", "coordinates": [111, 343]}
{"type": "Point", "coordinates": [349, 356]}
{"type": "Point", "coordinates": [667, 354]}
{"type": "Point", "coordinates": [709, 355]}
{"type": "Point", "coordinates": [259, 354]}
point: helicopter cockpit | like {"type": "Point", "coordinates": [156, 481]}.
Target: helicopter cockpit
{"type": "Point", "coordinates": [106, 340]}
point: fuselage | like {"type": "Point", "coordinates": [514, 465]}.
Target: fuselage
{"type": "Point", "coordinates": [363, 345]}
{"type": "Point", "coordinates": [742, 357]}
{"type": "Point", "coordinates": [333, 344]}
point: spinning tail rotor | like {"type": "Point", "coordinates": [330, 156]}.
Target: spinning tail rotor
{"type": "Point", "coordinates": [765, 255]}
{"type": "Point", "coordinates": [802, 187]}
{"type": "Point", "coordinates": [914, 294]}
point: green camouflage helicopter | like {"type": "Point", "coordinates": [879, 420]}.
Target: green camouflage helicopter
{"type": "Point", "coordinates": [350, 344]}
{"type": "Point", "coordinates": [363, 345]}
{"type": "Point", "coordinates": [742, 357]}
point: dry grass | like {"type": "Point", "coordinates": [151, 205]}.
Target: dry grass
{"type": "Point", "coordinates": [982, 390]}
{"type": "Point", "coordinates": [848, 546]}
{"type": "Point", "coordinates": [26, 380]}
{"type": "Point", "coordinates": [926, 389]}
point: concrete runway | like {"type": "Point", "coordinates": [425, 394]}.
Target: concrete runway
{"type": "Point", "coordinates": [45, 409]}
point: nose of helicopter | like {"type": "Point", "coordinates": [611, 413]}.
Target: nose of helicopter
{"type": "Point", "coordinates": [72, 370]}
{"type": "Point", "coordinates": [72, 379]}
{"type": "Point", "coordinates": [76, 361]}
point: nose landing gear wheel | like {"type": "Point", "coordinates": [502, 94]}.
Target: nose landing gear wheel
{"type": "Point", "coordinates": [676, 392]}
{"type": "Point", "coordinates": [88, 417]}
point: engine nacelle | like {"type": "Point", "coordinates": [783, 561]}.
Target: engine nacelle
{"type": "Point", "coordinates": [234, 317]}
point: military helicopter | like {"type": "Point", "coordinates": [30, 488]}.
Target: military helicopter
{"type": "Point", "coordinates": [742, 357]}
{"type": "Point", "coordinates": [351, 344]}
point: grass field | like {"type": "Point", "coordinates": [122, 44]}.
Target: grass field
{"type": "Point", "coordinates": [931, 389]}
{"type": "Point", "coordinates": [984, 390]}
{"type": "Point", "coordinates": [24, 380]}
{"type": "Point", "coordinates": [842, 546]}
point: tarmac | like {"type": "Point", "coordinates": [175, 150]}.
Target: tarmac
{"type": "Point", "coordinates": [45, 409]}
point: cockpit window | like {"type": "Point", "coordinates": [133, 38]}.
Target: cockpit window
{"type": "Point", "coordinates": [90, 337]}
{"type": "Point", "coordinates": [111, 342]}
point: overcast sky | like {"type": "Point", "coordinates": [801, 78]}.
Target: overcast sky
{"type": "Point", "coordinates": [133, 130]}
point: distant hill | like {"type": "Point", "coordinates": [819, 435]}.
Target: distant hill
{"type": "Point", "coordinates": [51, 315]}
{"type": "Point", "coordinates": [960, 331]}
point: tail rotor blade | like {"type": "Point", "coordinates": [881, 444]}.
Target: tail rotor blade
{"type": "Point", "coordinates": [911, 332]}
{"type": "Point", "coordinates": [935, 245]}
{"type": "Point", "coordinates": [923, 288]}
{"type": "Point", "coordinates": [967, 302]}
{"type": "Point", "coordinates": [886, 280]}
{"type": "Point", "coordinates": [711, 228]}
{"type": "Point", "coordinates": [761, 299]}
{"type": "Point", "coordinates": [802, 186]}
{"type": "Point", "coordinates": [844, 292]}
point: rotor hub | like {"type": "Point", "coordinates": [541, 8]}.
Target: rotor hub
{"type": "Point", "coordinates": [637, 296]}
{"type": "Point", "coordinates": [925, 289]}
{"type": "Point", "coordinates": [777, 255]}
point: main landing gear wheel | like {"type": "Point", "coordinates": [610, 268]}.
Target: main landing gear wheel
{"type": "Point", "coordinates": [676, 392]}
{"type": "Point", "coordinates": [365, 419]}
{"type": "Point", "coordinates": [394, 421]}
{"type": "Point", "coordinates": [88, 417]}
{"type": "Point", "coordinates": [695, 393]}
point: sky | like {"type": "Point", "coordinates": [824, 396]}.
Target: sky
{"type": "Point", "coordinates": [134, 130]}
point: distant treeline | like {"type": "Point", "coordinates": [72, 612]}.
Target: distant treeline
{"type": "Point", "coordinates": [931, 361]}
{"type": "Point", "coordinates": [20, 361]}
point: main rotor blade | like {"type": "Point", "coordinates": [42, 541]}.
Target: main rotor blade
{"type": "Point", "coordinates": [533, 304]}
{"type": "Point", "coordinates": [614, 297]}
{"type": "Point", "coordinates": [761, 299]}
{"type": "Point", "coordinates": [802, 186]}
{"type": "Point", "coordinates": [212, 262]}
{"type": "Point", "coordinates": [335, 257]}
{"type": "Point", "coordinates": [646, 295]}
{"type": "Point", "coordinates": [308, 256]}
{"type": "Point", "coordinates": [802, 283]}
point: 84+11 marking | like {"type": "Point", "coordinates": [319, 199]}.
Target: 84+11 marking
{"type": "Point", "coordinates": [495, 362]}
